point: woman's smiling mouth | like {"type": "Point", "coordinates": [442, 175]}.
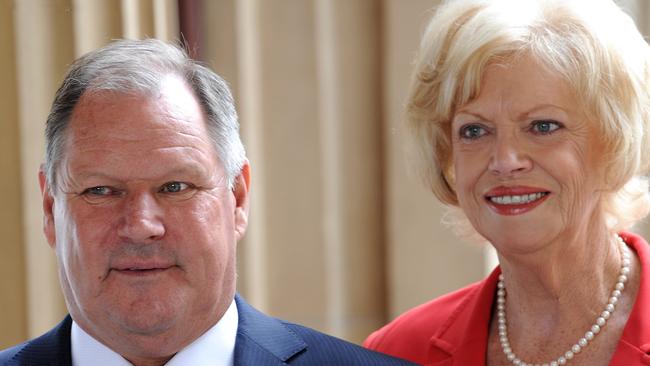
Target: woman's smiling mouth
{"type": "Point", "coordinates": [515, 200]}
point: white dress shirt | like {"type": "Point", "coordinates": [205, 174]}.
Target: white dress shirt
{"type": "Point", "coordinates": [216, 347]}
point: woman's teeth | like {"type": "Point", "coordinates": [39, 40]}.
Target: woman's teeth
{"type": "Point", "coordinates": [517, 199]}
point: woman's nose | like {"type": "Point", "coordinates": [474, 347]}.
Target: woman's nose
{"type": "Point", "coordinates": [142, 219]}
{"type": "Point", "coordinates": [509, 156]}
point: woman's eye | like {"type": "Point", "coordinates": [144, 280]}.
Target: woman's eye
{"type": "Point", "coordinates": [174, 187]}
{"type": "Point", "coordinates": [545, 127]}
{"type": "Point", "coordinates": [472, 132]}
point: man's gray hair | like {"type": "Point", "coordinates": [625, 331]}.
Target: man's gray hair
{"type": "Point", "coordinates": [137, 67]}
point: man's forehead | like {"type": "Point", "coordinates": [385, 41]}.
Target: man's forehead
{"type": "Point", "coordinates": [129, 133]}
{"type": "Point", "coordinates": [134, 115]}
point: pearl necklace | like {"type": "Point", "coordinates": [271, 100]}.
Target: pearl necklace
{"type": "Point", "coordinates": [589, 335]}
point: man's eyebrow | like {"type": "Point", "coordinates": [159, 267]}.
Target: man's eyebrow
{"type": "Point", "coordinates": [94, 174]}
{"type": "Point", "coordinates": [190, 169]}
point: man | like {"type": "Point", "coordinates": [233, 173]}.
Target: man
{"type": "Point", "coordinates": [145, 195]}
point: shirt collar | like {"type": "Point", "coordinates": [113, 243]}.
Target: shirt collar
{"type": "Point", "coordinates": [216, 347]}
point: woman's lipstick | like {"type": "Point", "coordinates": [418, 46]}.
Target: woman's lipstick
{"type": "Point", "coordinates": [516, 200]}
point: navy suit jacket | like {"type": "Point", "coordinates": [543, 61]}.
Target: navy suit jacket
{"type": "Point", "coordinates": [261, 340]}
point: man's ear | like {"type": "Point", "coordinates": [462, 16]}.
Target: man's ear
{"type": "Point", "coordinates": [48, 209]}
{"type": "Point", "coordinates": [241, 188]}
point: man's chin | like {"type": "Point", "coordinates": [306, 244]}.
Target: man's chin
{"type": "Point", "coordinates": [146, 318]}
{"type": "Point", "coordinates": [147, 327]}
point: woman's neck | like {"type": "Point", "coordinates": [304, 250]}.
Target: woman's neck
{"type": "Point", "coordinates": [554, 296]}
{"type": "Point", "coordinates": [568, 279]}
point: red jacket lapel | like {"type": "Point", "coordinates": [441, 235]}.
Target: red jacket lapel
{"type": "Point", "coordinates": [634, 347]}
{"type": "Point", "coordinates": [463, 338]}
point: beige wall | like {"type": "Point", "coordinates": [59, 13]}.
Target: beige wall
{"type": "Point", "coordinates": [12, 276]}
{"type": "Point", "coordinates": [341, 237]}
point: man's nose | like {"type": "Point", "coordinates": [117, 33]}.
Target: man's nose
{"type": "Point", "coordinates": [142, 219]}
{"type": "Point", "coordinates": [509, 157]}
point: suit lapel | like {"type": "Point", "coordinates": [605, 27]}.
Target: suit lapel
{"type": "Point", "coordinates": [51, 349]}
{"type": "Point", "coordinates": [262, 340]}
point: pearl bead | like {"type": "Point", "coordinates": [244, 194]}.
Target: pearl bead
{"type": "Point", "coordinates": [613, 300]}
{"type": "Point", "coordinates": [619, 286]}
{"type": "Point", "coordinates": [616, 293]}
{"type": "Point", "coordinates": [595, 329]}
{"type": "Point", "coordinates": [626, 262]}
{"type": "Point", "coordinates": [561, 361]}
{"type": "Point", "coordinates": [568, 355]}
{"type": "Point", "coordinates": [610, 308]}
{"type": "Point", "coordinates": [622, 278]}
{"type": "Point", "coordinates": [605, 314]}
{"type": "Point", "coordinates": [589, 335]}
{"type": "Point", "coordinates": [553, 363]}
{"type": "Point", "coordinates": [583, 342]}
{"type": "Point", "coordinates": [576, 348]}
{"type": "Point", "coordinates": [625, 271]}
{"type": "Point", "coordinates": [601, 321]}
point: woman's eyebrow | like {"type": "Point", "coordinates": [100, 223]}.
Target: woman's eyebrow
{"type": "Point", "coordinates": [541, 107]}
{"type": "Point", "coordinates": [470, 113]}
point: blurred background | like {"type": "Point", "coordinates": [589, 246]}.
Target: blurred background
{"type": "Point", "coordinates": [341, 238]}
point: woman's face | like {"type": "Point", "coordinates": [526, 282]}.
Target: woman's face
{"type": "Point", "coordinates": [525, 158]}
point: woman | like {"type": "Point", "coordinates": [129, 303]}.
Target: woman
{"type": "Point", "coordinates": [532, 117]}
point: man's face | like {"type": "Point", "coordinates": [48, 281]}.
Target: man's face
{"type": "Point", "coordinates": [143, 222]}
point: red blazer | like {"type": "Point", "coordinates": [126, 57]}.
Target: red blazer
{"type": "Point", "coordinates": [453, 329]}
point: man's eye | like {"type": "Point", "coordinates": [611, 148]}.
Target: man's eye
{"type": "Point", "coordinates": [174, 187]}
{"type": "Point", "coordinates": [472, 131]}
{"type": "Point", "coordinates": [98, 191]}
{"type": "Point", "coordinates": [545, 127]}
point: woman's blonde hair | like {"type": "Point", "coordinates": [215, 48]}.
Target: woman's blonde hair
{"type": "Point", "coordinates": [592, 44]}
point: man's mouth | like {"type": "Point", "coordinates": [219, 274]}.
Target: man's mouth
{"type": "Point", "coordinates": [139, 268]}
